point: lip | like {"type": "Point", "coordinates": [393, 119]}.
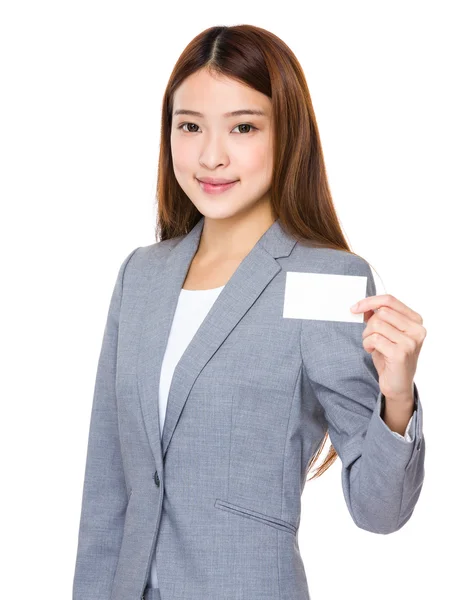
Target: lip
{"type": "Point", "coordinates": [209, 188]}
{"type": "Point", "coordinates": [215, 180]}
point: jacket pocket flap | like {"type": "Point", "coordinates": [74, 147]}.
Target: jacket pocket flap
{"type": "Point", "coordinates": [253, 514]}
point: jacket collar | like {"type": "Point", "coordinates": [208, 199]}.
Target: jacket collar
{"type": "Point", "coordinates": [167, 276]}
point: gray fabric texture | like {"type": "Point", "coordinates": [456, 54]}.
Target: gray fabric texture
{"type": "Point", "coordinates": [218, 496]}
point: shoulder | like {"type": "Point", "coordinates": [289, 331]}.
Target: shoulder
{"type": "Point", "coordinates": [309, 259]}
{"type": "Point", "coordinates": [141, 260]}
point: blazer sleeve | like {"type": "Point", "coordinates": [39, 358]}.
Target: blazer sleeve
{"type": "Point", "coordinates": [104, 496]}
{"type": "Point", "coordinates": [382, 473]}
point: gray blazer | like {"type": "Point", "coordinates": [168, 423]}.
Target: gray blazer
{"type": "Point", "coordinates": [218, 496]}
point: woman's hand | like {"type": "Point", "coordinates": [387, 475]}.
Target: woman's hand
{"type": "Point", "coordinates": [394, 336]}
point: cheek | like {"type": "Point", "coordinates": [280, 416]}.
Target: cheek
{"type": "Point", "coordinates": [181, 155]}
{"type": "Point", "coordinates": [258, 161]}
{"type": "Point", "coordinates": [255, 158]}
{"type": "Point", "coordinates": [258, 156]}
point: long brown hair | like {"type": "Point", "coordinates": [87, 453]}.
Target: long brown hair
{"type": "Point", "coordinates": [300, 195]}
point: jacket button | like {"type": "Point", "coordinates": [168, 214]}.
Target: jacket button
{"type": "Point", "coordinates": [157, 479]}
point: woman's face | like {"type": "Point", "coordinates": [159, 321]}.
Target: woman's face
{"type": "Point", "coordinates": [211, 144]}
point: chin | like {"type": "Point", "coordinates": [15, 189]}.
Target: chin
{"type": "Point", "coordinates": [219, 209]}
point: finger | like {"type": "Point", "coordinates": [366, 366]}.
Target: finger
{"type": "Point", "coordinates": [385, 329]}
{"type": "Point", "coordinates": [375, 302]}
{"type": "Point", "coordinates": [397, 320]}
{"type": "Point", "coordinates": [377, 341]}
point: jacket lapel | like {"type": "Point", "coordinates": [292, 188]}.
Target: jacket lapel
{"type": "Point", "coordinates": [167, 276]}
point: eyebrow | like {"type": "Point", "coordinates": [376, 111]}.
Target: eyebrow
{"type": "Point", "coordinates": [235, 113]}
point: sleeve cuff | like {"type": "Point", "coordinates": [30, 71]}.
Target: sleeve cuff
{"type": "Point", "coordinates": [410, 428]}
{"type": "Point", "coordinates": [388, 442]}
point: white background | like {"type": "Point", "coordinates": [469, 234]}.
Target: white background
{"type": "Point", "coordinates": [82, 85]}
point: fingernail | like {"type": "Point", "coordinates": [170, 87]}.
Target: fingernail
{"type": "Point", "coordinates": [355, 306]}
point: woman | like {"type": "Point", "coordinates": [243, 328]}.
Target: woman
{"type": "Point", "coordinates": [205, 503]}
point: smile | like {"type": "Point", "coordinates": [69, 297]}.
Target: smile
{"type": "Point", "coordinates": [210, 188]}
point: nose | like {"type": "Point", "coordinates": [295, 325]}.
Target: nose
{"type": "Point", "coordinates": [213, 153]}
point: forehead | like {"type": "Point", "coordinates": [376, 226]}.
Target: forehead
{"type": "Point", "coordinates": [216, 96]}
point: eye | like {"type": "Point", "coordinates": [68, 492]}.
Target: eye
{"type": "Point", "coordinates": [184, 124]}
{"type": "Point", "coordinates": [241, 125]}
{"type": "Point", "coordinates": [245, 125]}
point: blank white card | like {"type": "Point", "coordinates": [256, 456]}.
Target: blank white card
{"type": "Point", "coordinates": [323, 296]}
